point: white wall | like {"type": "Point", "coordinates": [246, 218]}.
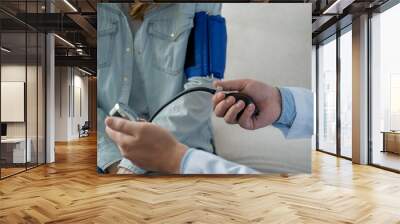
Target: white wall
{"type": "Point", "coordinates": [80, 83]}
{"type": "Point", "coordinates": [270, 43]}
{"type": "Point", "coordinates": [12, 101]}
{"type": "Point", "coordinates": [15, 73]}
{"type": "Point", "coordinates": [68, 83]}
{"type": "Point", "coordinates": [18, 73]}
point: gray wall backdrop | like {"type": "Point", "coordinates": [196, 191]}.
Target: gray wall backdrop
{"type": "Point", "coordinates": [270, 43]}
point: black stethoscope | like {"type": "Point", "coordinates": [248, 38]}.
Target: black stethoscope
{"type": "Point", "coordinates": [123, 111]}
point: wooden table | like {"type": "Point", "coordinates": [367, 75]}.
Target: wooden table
{"type": "Point", "coordinates": [13, 150]}
{"type": "Point", "coordinates": [391, 141]}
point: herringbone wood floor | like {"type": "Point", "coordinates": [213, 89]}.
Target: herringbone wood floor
{"type": "Point", "coordinates": [70, 191]}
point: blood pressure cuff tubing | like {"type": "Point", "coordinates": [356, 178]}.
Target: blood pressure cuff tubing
{"type": "Point", "coordinates": [206, 51]}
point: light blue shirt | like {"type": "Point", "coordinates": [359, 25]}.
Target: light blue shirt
{"type": "Point", "coordinates": [143, 67]}
{"type": "Point", "coordinates": [296, 121]}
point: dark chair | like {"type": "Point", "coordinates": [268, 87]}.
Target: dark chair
{"type": "Point", "coordinates": [84, 130]}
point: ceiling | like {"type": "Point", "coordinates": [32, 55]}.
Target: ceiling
{"type": "Point", "coordinates": [75, 22]}
{"type": "Point", "coordinates": [76, 25]}
{"type": "Point", "coordinates": [331, 15]}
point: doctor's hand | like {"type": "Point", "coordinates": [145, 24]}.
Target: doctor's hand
{"type": "Point", "coordinates": [267, 99]}
{"type": "Point", "coordinates": [147, 145]}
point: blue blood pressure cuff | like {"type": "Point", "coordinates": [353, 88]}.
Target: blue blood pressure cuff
{"type": "Point", "coordinates": [206, 50]}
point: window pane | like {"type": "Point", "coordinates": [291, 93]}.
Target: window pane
{"type": "Point", "coordinates": [22, 88]}
{"type": "Point", "coordinates": [386, 88]}
{"type": "Point", "coordinates": [327, 97]}
{"type": "Point", "coordinates": [14, 153]}
{"type": "Point", "coordinates": [346, 94]}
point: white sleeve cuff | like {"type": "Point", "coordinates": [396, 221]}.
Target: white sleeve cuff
{"type": "Point", "coordinates": [200, 162]}
{"type": "Point", "coordinates": [303, 124]}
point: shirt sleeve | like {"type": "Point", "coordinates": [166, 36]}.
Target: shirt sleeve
{"type": "Point", "coordinates": [297, 117]}
{"type": "Point", "coordinates": [107, 152]}
{"type": "Point", "coordinates": [199, 162]}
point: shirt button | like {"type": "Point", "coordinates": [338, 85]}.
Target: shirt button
{"type": "Point", "coordinates": [128, 49]}
{"type": "Point", "coordinates": [172, 34]}
{"type": "Point", "coordinates": [125, 78]}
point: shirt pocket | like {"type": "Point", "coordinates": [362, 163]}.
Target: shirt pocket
{"type": "Point", "coordinates": [106, 39]}
{"type": "Point", "coordinates": [168, 43]}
